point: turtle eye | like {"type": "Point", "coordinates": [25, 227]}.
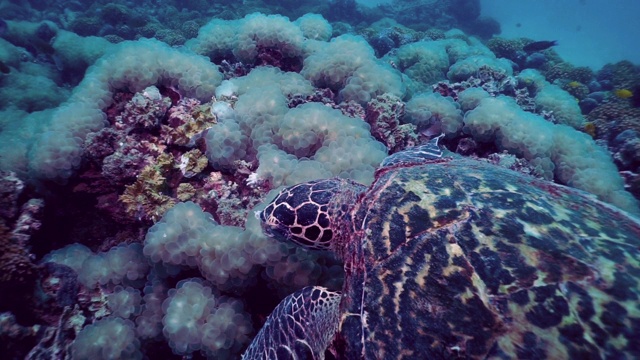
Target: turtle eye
{"type": "Point", "coordinates": [300, 214]}
{"type": "Point", "coordinates": [277, 219]}
{"type": "Point", "coordinates": [274, 229]}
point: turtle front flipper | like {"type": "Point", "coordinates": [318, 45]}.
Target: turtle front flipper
{"type": "Point", "coordinates": [300, 327]}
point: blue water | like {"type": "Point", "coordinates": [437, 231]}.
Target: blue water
{"type": "Point", "coordinates": [590, 32]}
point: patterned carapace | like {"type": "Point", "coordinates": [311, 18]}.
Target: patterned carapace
{"type": "Point", "coordinates": [458, 258]}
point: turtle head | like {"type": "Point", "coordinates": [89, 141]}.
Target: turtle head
{"type": "Point", "coordinates": [313, 215]}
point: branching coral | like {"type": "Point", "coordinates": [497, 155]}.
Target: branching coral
{"type": "Point", "coordinates": [192, 163]}
{"type": "Point", "coordinates": [145, 199]}
{"type": "Point", "coordinates": [185, 121]}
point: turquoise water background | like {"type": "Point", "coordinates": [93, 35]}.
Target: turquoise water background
{"type": "Point", "coordinates": [589, 32]}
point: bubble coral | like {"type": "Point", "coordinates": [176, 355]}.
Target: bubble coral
{"type": "Point", "coordinates": [109, 338]}
{"type": "Point", "coordinates": [197, 318]}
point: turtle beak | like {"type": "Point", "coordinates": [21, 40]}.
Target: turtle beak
{"type": "Point", "coordinates": [266, 228]}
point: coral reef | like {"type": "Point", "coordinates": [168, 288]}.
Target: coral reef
{"type": "Point", "coordinates": [568, 72]}
{"type": "Point", "coordinates": [145, 199]}
{"type": "Point", "coordinates": [506, 48]}
{"type": "Point", "coordinates": [385, 35]}
{"type": "Point", "coordinates": [152, 155]}
{"type": "Point", "coordinates": [617, 124]}
{"type": "Point", "coordinates": [576, 89]}
{"type": "Point", "coordinates": [19, 221]}
{"type": "Point", "coordinates": [384, 114]}
{"type": "Point", "coordinates": [621, 75]}
{"type": "Point", "coordinates": [441, 14]}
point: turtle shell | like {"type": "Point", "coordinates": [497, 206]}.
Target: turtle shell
{"type": "Point", "coordinates": [460, 258]}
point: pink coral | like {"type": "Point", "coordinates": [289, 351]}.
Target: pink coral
{"type": "Point", "coordinates": [144, 110]}
{"type": "Point", "coordinates": [383, 114]}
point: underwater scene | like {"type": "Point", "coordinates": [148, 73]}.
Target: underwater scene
{"type": "Point", "coordinates": [303, 179]}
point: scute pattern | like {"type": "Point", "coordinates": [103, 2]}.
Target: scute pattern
{"type": "Point", "coordinates": [302, 213]}
{"type": "Point", "coordinates": [303, 210]}
{"type": "Point", "coordinates": [460, 258]}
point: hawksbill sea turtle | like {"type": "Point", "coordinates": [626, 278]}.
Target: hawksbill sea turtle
{"type": "Point", "coordinates": [456, 258]}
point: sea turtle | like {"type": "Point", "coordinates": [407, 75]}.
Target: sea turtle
{"type": "Point", "coordinates": [457, 258]}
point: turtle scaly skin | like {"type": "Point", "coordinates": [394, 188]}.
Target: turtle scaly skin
{"type": "Point", "coordinates": [305, 322]}
{"type": "Point", "coordinates": [457, 258]}
{"type": "Point", "coordinates": [312, 213]}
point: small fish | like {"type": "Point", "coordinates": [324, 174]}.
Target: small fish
{"type": "Point", "coordinates": [539, 46]}
{"type": "Point", "coordinates": [623, 93]}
